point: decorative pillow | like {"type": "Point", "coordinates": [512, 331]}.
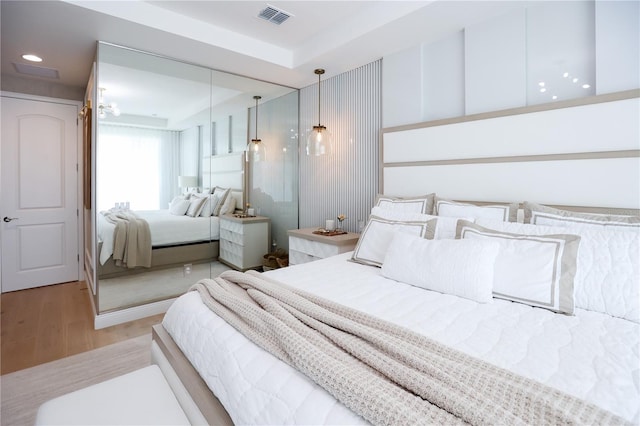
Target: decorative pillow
{"type": "Point", "coordinates": [506, 212]}
{"type": "Point", "coordinates": [446, 227]}
{"type": "Point", "coordinates": [378, 233]}
{"type": "Point", "coordinates": [222, 193]}
{"type": "Point", "coordinates": [608, 268]}
{"type": "Point", "coordinates": [537, 270]}
{"type": "Point", "coordinates": [459, 267]}
{"type": "Point", "coordinates": [420, 204]}
{"type": "Point", "coordinates": [206, 209]}
{"type": "Point", "coordinates": [179, 206]}
{"type": "Point", "coordinates": [196, 202]}
{"type": "Point", "coordinates": [538, 214]}
{"type": "Point", "coordinates": [229, 205]}
{"type": "Point", "coordinates": [397, 215]}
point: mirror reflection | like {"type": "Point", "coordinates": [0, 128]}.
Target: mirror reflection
{"type": "Point", "coordinates": [170, 162]}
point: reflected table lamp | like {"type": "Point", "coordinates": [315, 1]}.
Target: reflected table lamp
{"type": "Point", "coordinates": [186, 182]}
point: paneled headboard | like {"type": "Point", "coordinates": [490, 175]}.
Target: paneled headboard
{"type": "Point", "coordinates": [226, 171]}
{"type": "Point", "coordinates": [583, 152]}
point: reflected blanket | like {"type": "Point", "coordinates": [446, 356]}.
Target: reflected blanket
{"type": "Point", "coordinates": [385, 373]}
{"type": "Point", "coordinates": [131, 240]}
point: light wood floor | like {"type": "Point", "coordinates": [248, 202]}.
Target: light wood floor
{"type": "Point", "coordinates": [48, 323]}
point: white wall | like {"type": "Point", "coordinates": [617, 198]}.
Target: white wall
{"type": "Point", "coordinates": [501, 63]}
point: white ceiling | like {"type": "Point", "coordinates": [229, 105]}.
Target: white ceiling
{"type": "Point", "coordinates": [228, 35]}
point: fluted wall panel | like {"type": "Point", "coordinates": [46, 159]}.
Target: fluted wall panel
{"type": "Point", "coordinates": [346, 181]}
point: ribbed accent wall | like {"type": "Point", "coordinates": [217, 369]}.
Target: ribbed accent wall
{"type": "Point", "coordinates": [346, 181]}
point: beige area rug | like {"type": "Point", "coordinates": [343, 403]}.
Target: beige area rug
{"type": "Point", "coordinates": [25, 390]}
{"type": "Point", "coordinates": [152, 286]}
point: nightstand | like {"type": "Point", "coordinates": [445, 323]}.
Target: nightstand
{"type": "Point", "coordinates": [243, 241]}
{"type": "Point", "coordinates": [305, 246]}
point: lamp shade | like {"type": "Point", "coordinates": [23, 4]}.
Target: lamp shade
{"type": "Point", "coordinates": [187, 181]}
{"type": "Point", "coordinates": [256, 151]}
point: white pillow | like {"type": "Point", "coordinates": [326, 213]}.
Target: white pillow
{"type": "Point", "coordinates": [419, 204]}
{"type": "Point", "coordinates": [378, 233]}
{"type": "Point", "coordinates": [459, 267]}
{"type": "Point", "coordinates": [178, 206]}
{"type": "Point", "coordinates": [229, 205]}
{"type": "Point", "coordinates": [538, 214]}
{"type": "Point", "coordinates": [206, 209]}
{"type": "Point", "coordinates": [536, 270]}
{"type": "Point", "coordinates": [222, 193]}
{"type": "Point", "coordinates": [506, 212]}
{"type": "Point", "coordinates": [608, 267]}
{"type": "Point", "coordinates": [196, 203]}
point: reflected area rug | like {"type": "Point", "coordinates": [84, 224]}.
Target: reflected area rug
{"type": "Point", "coordinates": [24, 391]}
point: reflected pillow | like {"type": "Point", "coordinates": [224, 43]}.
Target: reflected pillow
{"type": "Point", "coordinates": [179, 206]}
{"type": "Point", "coordinates": [196, 202]}
{"type": "Point", "coordinates": [229, 205]}
{"type": "Point", "coordinates": [222, 193]}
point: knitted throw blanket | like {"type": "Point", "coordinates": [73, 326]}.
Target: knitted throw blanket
{"type": "Point", "coordinates": [131, 239]}
{"type": "Point", "coordinates": [385, 373]}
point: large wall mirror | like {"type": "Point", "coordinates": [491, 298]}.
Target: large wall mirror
{"type": "Point", "coordinates": [168, 135]}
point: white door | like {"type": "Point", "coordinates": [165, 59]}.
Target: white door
{"type": "Point", "coordinates": [39, 193]}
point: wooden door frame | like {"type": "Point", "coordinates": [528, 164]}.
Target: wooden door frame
{"type": "Point", "coordinates": [79, 190]}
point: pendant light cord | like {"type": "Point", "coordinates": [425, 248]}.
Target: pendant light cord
{"type": "Point", "coordinates": [319, 122]}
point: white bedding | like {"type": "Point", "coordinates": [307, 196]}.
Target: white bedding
{"type": "Point", "coordinates": [590, 355]}
{"type": "Point", "coordinates": [166, 230]}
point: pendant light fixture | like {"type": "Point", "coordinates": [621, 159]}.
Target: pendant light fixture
{"type": "Point", "coordinates": [319, 140]}
{"type": "Point", "coordinates": [105, 107]}
{"type": "Point", "coordinates": [256, 150]}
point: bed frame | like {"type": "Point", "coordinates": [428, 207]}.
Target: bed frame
{"type": "Point", "coordinates": [554, 162]}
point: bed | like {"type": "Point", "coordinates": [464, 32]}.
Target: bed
{"type": "Point", "coordinates": [578, 334]}
{"type": "Point", "coordinates": [177, 235]}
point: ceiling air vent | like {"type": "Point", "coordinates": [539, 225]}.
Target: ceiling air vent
{"type": "Point", "coordinates": [36, 71]}
{"type": "Point", "coordinates": [274, 15]}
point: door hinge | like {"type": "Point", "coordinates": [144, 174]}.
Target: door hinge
{"type": "Point", "coordinates": [77, 212]}
{"type": "Point", "coordinates": [77, 167]}
{"type": "Point", "coordinates": [78, 256]}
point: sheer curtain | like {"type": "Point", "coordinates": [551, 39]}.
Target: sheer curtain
{"type": "Point", "coordinates": [136, 165]}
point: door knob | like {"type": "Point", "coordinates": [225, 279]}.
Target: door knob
{"type": "Point", "coordinates": [9, 219]}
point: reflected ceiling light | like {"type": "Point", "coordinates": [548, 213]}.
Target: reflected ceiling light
{"type": "Point", "coordinates": [565, 75]}
{"type": "Point", "coordinates": [104, 107]}
{"type": "Point", "coordinates": [32, 58]}
{"type": "Point", "coordinates": [575, 79]}
{"type": "Point", "coordinates": [256, 150]}
{"type": "Point", "coordinates": [319, 140]}
{"type": "Point", "coordinates": [586, 86]}
{"type": "Point", "coordinates": [554, 97]}
{"type": "Point", "coordinates": [541, 84]}
{"type": "Point", "coordinates": [543, 90]}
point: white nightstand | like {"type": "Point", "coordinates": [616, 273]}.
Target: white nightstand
{"type": "Point", "coordinates": [305, 246]}
{"type": "Point", "coordinates": [243, 241]}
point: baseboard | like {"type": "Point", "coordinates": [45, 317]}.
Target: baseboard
{"type": "Point", "coordinates": [108, 319]}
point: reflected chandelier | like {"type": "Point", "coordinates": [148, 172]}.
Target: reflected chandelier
{"type": "Point", "coordinates": [104, 108]}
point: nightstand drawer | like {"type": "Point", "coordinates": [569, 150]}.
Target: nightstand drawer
{"type": "Point", "coordinates": [313, 248]}
{"type": "Point", "coordinates": [296, 257]}
{"type": "Point", "coordinates": [236, 237]}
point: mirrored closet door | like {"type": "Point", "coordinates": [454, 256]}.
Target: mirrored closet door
{"type": "Point", "coordinates": [169, 160]}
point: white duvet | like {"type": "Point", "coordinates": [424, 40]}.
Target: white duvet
{"type": "Point", "coordinates": [166, 230]}
{"type": "Point", "coordinates": [590, 355]}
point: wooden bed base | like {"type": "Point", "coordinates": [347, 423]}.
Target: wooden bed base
{"type": "Point", "coordinates": [164, 257]}
{"type": "Point", "coordinates": [207, 403]}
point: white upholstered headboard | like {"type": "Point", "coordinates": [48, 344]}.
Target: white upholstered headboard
{"type": "Point", "coordinates": [583, 152]}
{"type": "Point", "coordinates": [226, 171]}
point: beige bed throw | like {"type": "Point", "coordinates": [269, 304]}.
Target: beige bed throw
{"type": "Point", "coordinates": [131, 240]}
{"type": "Point", "coordinates": [385, 373]}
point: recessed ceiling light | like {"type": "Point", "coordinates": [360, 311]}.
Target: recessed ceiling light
{"type": "Point", "coordinates": [32, 58]}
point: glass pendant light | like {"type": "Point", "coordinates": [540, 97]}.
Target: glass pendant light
{"type": "Point", "coordinates": [256, 150]}
{"type": "Point", "coordinates": [319, 140]}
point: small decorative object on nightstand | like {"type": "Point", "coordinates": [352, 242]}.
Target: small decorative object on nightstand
{"type": "Point", "coordinates": [243, 241]}
{"type": "Point", "coordinates": [307, 246]}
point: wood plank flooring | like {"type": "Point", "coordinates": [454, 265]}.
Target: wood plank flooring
{"type": "Point", "coordinates": [47, 323]}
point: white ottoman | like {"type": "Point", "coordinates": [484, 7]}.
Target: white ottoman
{"type": "Point", "coordinates": [142, 397]}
